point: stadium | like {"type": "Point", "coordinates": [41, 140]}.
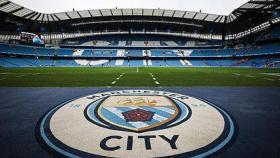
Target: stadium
{"type": "Point", "coordinates": [140, 82]}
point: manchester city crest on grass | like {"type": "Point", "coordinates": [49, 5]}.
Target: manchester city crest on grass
{"type": "Point", "coordinates": [128, 122]}
{"type": "Point", "coordinates": [137, 113]}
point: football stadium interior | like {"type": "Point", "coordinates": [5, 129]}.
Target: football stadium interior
{"type": "Point", "coordinates": [230, 60]}
{"type": "Point", "coordinates": [248, 37]}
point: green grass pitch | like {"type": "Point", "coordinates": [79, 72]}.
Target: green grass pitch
{"type": "Point", "coordinates": [137, 77]}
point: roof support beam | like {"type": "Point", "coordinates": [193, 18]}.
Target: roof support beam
{"type": "Point", "coordinates": [11, 12]}
{"type": "Point", "coordinates": [216, 18]}
{"type": "Point", "coordinates": [194, 16]}
{"type": "Point", "coordinates": [33, 15]}
{"type": "Point", "coordinates": [68, 15]}
{"type": "Point", "coordinates": [43, 17]}
{"type": "Point", "coordinates": [4, 4]}
{"type": "Point", "coordinates": [220, 20]}
{"type": "Point", "coordinates": [79, 15]}
{"type": "Point", "coordinates": [90, 13]}
{"type": "Point", "coordinates": [205, 17]}
{"type": "Point", "coordinates": [52, 17]}
{"type": "Point", "coordinates": [28, 14]}
{"type": "Point", "coordinates": [38, 16]}
{"type": "Point", "coordinates": [57, 17]}
{"type": "Point", "coordinates": [100, 12]}
{"type": "Point", "coordinates": [173, 14]}
{"type": "Point", "coordinates": [184, 14]}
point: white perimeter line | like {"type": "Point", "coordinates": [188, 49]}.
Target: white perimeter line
{"type": "Point", "coordinates": [156, 82]}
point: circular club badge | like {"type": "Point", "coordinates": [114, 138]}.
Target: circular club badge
{"type": "Point", "coordinates": [136, 123]}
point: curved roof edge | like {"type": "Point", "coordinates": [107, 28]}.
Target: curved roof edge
{"type": "Point", "coordinates": [20, 11]}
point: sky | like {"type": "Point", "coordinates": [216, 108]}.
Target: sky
{"type": "Point", "coordinates": [221, 7]}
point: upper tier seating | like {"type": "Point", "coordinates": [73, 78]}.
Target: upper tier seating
{"type": "Point", "coordinates": [256, 50]}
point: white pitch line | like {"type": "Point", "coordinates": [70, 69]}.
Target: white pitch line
{"type": "Point", "coordinates": [117, 79]}
{"type": "Point", "coordinates": [122, 75]}
{"type": "Point", "coordinates": [19, 76]}
{"type": "Point", "coordinates": [250, 76]}
{"type": "Point", "coordinates": [269, 79]}
{"type": "Point", "coordinates": [271, 74]}
{"type": "Point", "coordinates": [155, 80]}
{"type": "Point", "coordinates": [237, 74]}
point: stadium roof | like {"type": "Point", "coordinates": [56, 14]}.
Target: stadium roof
{"type": "Point", "coordinates": [251, 17]}
{"type": "Point", "coordinates": [253, 5]}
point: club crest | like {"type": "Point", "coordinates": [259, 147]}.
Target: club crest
{"type": "Point", "coordinates": [137, 113]}
{"type": "Point", "coordinates": [128, 122]}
